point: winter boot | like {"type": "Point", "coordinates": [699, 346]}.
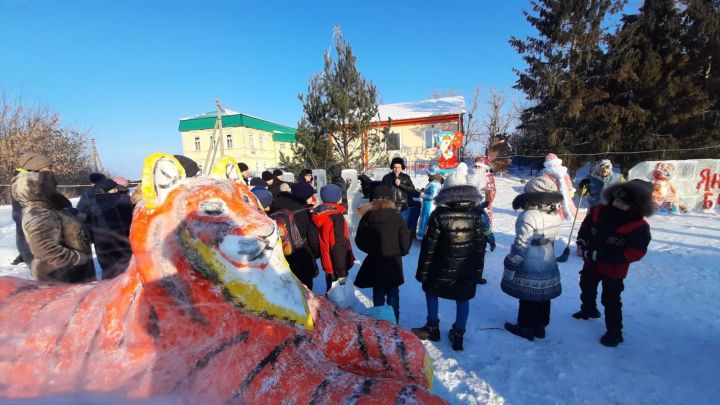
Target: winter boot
{"type": "Point", "coordinates": [428, 332]}
{"type": "Point", "coordinates": [17, 260]}
{"type": "Point", "coordinates": [456, 338]}
{"type": "Point", "coordinates": [611, 339]}
{"type": "Point", "coordinates": [521, 331]}
{"type": "Point", "coordinates": [539, 332]}
{"type": "Point", "coordinates": [583, 314]}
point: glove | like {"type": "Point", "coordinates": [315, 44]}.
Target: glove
{"type": "Point", "coordinates": [590, 255]}
{"type": "Point", "coordinates": [342, 280]}
{"type": "Point", "coordinates": [492, 246]}
{"type": "Point", "coordinates": [584, 184]}
{"type": "Point", "coordinates": [581, 247]}
{"type": "Point", "coordinates": [513, 261]}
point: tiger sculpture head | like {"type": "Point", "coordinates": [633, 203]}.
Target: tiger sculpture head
{"type": "Point", "coordinates": [221, 231]}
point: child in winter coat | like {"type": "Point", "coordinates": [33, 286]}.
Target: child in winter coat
{"type": "Point", "coordinates": [602, 177]}
{"type": "Point", "coordinates": [612, 236]}
{"type": "Point", "coordinates": [336, 254]}
{"type": "Point", "coordinates": [428, 195]}
{"type": "Point", "coordinates": [531, 270]}
{"type": "Point", "coordinates": [382, 234]}
{"type": "Point", "coordinates": [452, 256]}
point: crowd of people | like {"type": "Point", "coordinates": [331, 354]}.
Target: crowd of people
{"type": "Point", "coordinates": [454, 223]}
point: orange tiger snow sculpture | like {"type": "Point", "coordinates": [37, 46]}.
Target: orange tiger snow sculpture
{"type": "Point", "coordinates": [207, 312]}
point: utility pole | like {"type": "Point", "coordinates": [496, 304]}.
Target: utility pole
{"type": "Point", "coordinates": [97, 164]}
{"type": "Point", "coordinates": [212, 151]}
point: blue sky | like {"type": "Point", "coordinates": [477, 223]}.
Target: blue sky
{"type": "Point", "coordinates": [127, 71]}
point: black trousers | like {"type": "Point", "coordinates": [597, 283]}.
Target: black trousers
{"type": "Point", "coordinates": [532, 314]}
{"type": "Point", "coordinates": [611, 290]}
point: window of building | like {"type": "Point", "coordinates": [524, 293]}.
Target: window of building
{"type": "Point", "coordinates": [393, 141]}
{"type": "Point", "coordinates": [282, 146]}
{"type": "Point", "coordinates": [260, 142]}
{"type": "Point", "coordinates": [197, 143]}
{"type": "Point", "coordinates": [251, 142]}
{"type": "Point", "coordinates": [429, 138]}
{"type": "Point", "coordinates": [228, 141]}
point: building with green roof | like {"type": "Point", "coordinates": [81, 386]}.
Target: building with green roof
{"type": "Point", "coordinates": [251, 140]}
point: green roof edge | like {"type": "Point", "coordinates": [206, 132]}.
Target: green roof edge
{"type": "Point", "coordinates": [281, 133]}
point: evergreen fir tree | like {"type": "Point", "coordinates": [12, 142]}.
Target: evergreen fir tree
{"type": "Point", "coordinates": [701, 19]}
{"type": "Point", "coordinates": [338, 108]}
{"type": "Point", "coordinates": [561, 64]}
{"type": "Point", "coordinates": [654, 100]}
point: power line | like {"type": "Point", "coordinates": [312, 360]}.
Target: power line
{"type": "Point", "coordinates": [615, 153]}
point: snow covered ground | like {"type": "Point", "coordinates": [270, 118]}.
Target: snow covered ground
{"type": "Point", "coordinates": [671, 313]}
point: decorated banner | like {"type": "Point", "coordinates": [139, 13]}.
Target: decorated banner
{"type": "Point", "coordinates": [682, 185]}
{"type": "Point", "coordinates": [448, 142]}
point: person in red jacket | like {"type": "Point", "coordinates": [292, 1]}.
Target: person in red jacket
{"type": "Point", "coordinates": [612, 236]}
{"type": "Point", "coordinates": [336, 254]}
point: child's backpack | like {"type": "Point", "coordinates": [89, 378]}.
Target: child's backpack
{"type": "Point", "coordinates": [288, 230]}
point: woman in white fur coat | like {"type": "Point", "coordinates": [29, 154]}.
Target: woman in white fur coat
{"type": "Point", "coordinates": [558, 173]}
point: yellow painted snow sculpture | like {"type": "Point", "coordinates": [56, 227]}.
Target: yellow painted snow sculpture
{"type": "Point", "coordinates": [207, 312]}
{"type": "Point", "coordinates": [164, 173]}
{"type": "Point", "coordinates": [227, 168]}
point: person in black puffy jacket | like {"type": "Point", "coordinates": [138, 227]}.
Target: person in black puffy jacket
{"type": "Point", "coordinates": [451, 258]}
{"type": "Point", "coordinates": [108, 216]}
{"type": "Point", "coordinates": [382, 234]}
{"type": "Point", "coordinates": [302, 262]}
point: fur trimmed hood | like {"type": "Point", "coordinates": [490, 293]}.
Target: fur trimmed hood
{"type": "Point", "coordinates": [34, 188]}
{"type": "Point", "coordinates": [376, 205]}
{"type": "Point", "coordinates": [548, 201]}
{"type": "Point", "coordinates": [459, 197]}
{"type": "Point", "coordinates": [637, 193]}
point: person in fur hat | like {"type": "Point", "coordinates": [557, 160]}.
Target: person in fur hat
{"type": "Point", "coordinates": [554, 169]}
{"type": "Point", "coordinates": [382, 234]}
{"type": "Point", "coordinates": [452, 256]}
{"type": "Point", "coordinates": [435, 181]}
{"type": "Point", "coordinates": [601, 177]}
{"type": "Point", "coordinates": [612, 236]}
{"type": "Point", "coordinates": [57, 239]}
{"type": "Point", "coordinates": [531, 270]}
{"type": "Point", "coordinates": [402, 187]}
{"type": "Point", "coordinates": [306, 176]}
